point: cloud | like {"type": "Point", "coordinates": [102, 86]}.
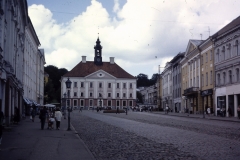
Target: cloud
{"type": "Point", "coordinates": [138, 32]}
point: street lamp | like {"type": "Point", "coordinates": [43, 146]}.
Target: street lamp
{"type": "Point", "coordinates": [68, 85]}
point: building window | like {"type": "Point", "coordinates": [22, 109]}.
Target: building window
{"type": "Point", "coordinates": [202, 59]}
{"type": "Point", "coordinates": [109, 85]}
{"type": "Point", "coordinates": [230, 76]}
{"type": "Point", "coordinates": [219, 79]}
{"type": "Point", "coordinates": [124, 103]}
{"type": "Point", "coordinates": [206, 57]}
{"type": "Point", "coordinates": [124, 85]}
{"type": "Point", "coordinates": [211, 77]}
{"type": "Point", "coordinates": [91, 94]}
{"type": "Point", "coordinates": [211, 55]}
{"type": "Point", "coordinates": [75, 102]}
{"type": "Point", "coordinates": [99, 95]}
{"type": "Point", "coordinates": [124, 95]}
{"type": "Point", "coordinates": [237, 49]}
{"type": "Point", "coordinates": [118, 85]}
{"type": "Point", "coordinates": [118, 103]}
{"type": "Point", "coordinates": [224, 77]}
{"type": "Point", "coordinates": [82, 102]}
{"type": "Point", "coordinates": [130, 103]}
{"type": "Point", "coordinates": [117, 94]}
{"type": "Point", "coordinates": [197, 81]}
{"type": "Point", "coordinates": [91, 85]}
{"type": "Point", "coordinates": [130, 85]}
{"type": "Point", "coordinates": [206, 79]}
{"type": "Point", "coordinates": [237, 74]}
{"type": "Point", "coordinates": [75, 84]}
{"type": "Point", "coordinates": [130, 95]}
{"type": "Point", "coordinates": [82, 84]}
{"type": "Point", "coordinates": [223, 53]}
{"type": "Point", "coordinates": [100, 85]}
{"type": "Point", "coordinates": [229, 48]}
{"type": "Point", "coordinates": [90, 103]}
{"type": "Point", "coordinates": [75, 94]}
{"type": "Point", "coordinates": [109, 94]}
{"type": "Point", "coordinates": [109, 103]}
{"type": "Point", "coordinates": [217, 57]}
{"type": "Point", "coordinates": [81, 94]}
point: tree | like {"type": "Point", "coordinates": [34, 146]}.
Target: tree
{"type": "Point", "coordinates": [143, 81]}
{"type": "Point", "coordinates": [139, 97]}
{"type": "Point", "coordinates": [52, 90]}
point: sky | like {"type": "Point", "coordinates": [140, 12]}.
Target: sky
{"type": "Point", "coordinates": [141, 34]}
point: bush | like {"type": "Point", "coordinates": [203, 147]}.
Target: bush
{"type": "Point", "coordinates": [114, 111]}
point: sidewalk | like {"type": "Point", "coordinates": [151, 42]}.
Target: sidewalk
{"type": "Point", "coordinates": [26, 141]}
{"type": "Point", "coordinates": [211, 117]}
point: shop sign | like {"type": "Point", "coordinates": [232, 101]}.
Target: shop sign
{"type": "Point", "coordinates": [207, 92]}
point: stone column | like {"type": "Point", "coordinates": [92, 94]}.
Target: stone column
{"type": "Point", "coordinates": [235, 105]}
{"type": "Point", "coordinates": [227, 115]}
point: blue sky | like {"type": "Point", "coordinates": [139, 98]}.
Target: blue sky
{"type": "Point", "coordinates": [140, 34]}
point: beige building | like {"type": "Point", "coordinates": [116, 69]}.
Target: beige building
{"type": "Point", "coordinates": [191, 72]}
{"type": "Point", "coordinates": [207, 75]}
{"type": "Point", "coordinates": [159, 92]}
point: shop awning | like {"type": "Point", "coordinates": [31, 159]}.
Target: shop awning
{"type": "Point", "coordinates": [27, 101]}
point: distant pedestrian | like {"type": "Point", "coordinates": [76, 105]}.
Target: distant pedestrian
{"type": "Point", "coordinates": [117, 112]}
{"type": "Point", "coordinates": [167, 109]}
{"type": "Point", "coordinates": [16, 117]}
{"type": "Point", "coordinates": [33, 114]}
{"type": "Point", "coordinates": [58, 116]}
{"type": "Point", "coordinates": [208, 111]}
{"type": "Point", "coordinates": [80, 110]}
{"type": "Point", "coordinates": [42, 116]}
{"type": "Point", "coordinates": [238, 110]}
{"type": "Point", "coordinates": [1, 124]}
{"type": "Point", "coordinates": [230, 111]}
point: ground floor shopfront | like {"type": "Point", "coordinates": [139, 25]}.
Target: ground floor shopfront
{"type": "Point", "coordinates": [208, 100]}
{"type": "Point", "coordinates": [227, 99]}
{"type": "Point", "coordinates": [88, 103]}
{"type": "Point", "coordinates": [177, 104]}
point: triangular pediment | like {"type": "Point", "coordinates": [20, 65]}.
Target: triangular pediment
{"type": "Point", "coordinates": [192, 45]}
{"type": "Point", "coordinates": [100, 74]}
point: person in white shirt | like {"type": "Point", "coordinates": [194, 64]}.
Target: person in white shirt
{"type": "Point", "coordinates": [58, 116]}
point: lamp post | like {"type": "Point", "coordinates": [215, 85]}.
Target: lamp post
{"type": "Point", "coordinates": [65, 104]}
{"type": "Point", "coordinates": [68, 85]}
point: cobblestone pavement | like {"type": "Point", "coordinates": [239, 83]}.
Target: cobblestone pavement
{"type": "Point", "coordinates": [150, 136]}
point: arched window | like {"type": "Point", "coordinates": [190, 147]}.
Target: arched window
{"type": "Point", "coordinates": [230, 76]}
{"type": "Point", "coordinates": [229, 48]}
{"type": "Point", "coordinates": [237, 49]}
{"type": "Point", "coordinates": [218, 58]}
{"type": "Point", "coordinates": [223, 53]}
{"type": "Point", "coordinates": [237, 74]}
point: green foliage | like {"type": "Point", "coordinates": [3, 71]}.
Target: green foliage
{"type": "Point", "coordinates": [52, 90]}
{"type": "Point", "coordinates": [143, 81]}
{"type": "Point", "coordinates": [139, 97]}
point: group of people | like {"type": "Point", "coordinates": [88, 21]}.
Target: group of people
{"type": "Point", "coordinates": [50, 117]}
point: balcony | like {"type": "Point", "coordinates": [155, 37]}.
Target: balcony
{"type": "Point", "coordinates": [192, 90]}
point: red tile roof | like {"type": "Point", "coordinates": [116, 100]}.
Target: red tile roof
{"type": "Point", "coordinates": [84, 69]}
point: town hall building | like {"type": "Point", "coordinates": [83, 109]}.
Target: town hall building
{"type": "Point", "coordinates": [99, 84]}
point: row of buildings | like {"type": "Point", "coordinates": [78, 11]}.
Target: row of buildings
{"type": "Point", "coordinates": [205, 75]}
{"type": "Point", "coordinates": [21, 62]}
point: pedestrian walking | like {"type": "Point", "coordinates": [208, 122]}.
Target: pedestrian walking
{"type": "Point", "coordinates": [33, 114]}
{"type": "Point", "coordinates": [117, 112]}
{"type": "Point", "coordinates": [238, 111]}
{"type": "Point", "coordinates": [42, 117]}
{"type": "Point", "coordinates": [80, 110]}
{"type": "Point", "coordinates": [1, 124]}
{"type": "Point", "coordinates": [208, 111]}
{"type": "Point", "coordinates": [58, 116]}
{"type": "Point", "coordinates": [16, 118]}
{"type": "Point", "coordinates": [167, 109]}
{"type": "Point", "coordinates": [230, 111]}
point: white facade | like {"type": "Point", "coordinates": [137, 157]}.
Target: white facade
{"type": "Point", "coordinates": [167, 86]}
{"type": "Point", "coordinates": [86, 91]}
{"type": "Point", "coordinates": [149, 95]}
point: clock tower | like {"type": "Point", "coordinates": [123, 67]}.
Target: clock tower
{"type": "Point", "coordinates": [98, 53]}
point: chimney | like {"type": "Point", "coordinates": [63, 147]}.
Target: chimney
{"type": "Point", "coordinates": [111, 60]}
{"type": "Point", "coordinates": [83, 59]}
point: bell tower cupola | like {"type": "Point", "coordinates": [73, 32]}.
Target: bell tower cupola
{"type": "Point", "coordinates": [98, 53]}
